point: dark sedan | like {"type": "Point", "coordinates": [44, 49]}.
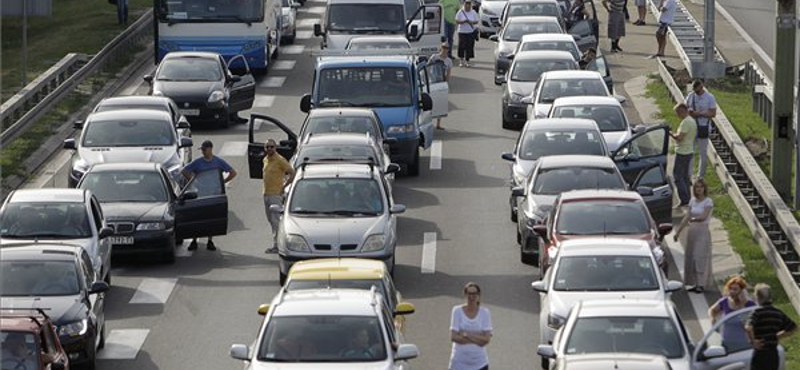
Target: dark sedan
{"type": "Point", "coordinates": [150, 213]}
{"type": "Point", "coordinates": [203, 87]}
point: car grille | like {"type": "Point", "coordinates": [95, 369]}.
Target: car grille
{"type": "Point", "coordinates": [328, 247]}
{"type": "Point", "coordinates": [322, 247]}
{"type": "Point", "coordinates": [122, 227]}
{"type": "Point", "coordinates": [348, 247]}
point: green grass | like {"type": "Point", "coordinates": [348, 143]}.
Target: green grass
{"type": "Point", "coordinates": [76, 26]}
{"type": "Point", "coordinates": [756, 267]}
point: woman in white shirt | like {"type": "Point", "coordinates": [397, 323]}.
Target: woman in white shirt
{"type": "Point", "coordinates": [467, 21]}
{"type": "Point", "coordinates": [470, 332]}
{"type": "Point", "coordinates": [697, 249]}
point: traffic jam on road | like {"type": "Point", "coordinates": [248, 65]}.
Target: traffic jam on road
{"type": "Point", "coordinates": [588, 196]}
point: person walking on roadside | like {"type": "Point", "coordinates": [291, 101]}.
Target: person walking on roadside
{"type": "Point", "coordinates": [697, 249]}
{"type": "Point", "coordinates": [733, 333]}
{"type": "Point", "coordinates": [703, 107]}
{"type": "Point", "coordinates": [208, 162]}
{"type": "Point", "coordinates": [765, 328]}
{"type": "Point", "coordinates": [470, 332]}
{"type": "Point", "coordinates": [277, 174]}
{"type": "Point", "coordinates": [449, 10]}
{"type": "Point", "coordinates": [684, 151]}
{"type": "Point", "coordinates": [616, 22]}
{"type": "Point", "coordinates": [467, 21]}
{"type": "Point", "coordinates": [664, 22]}
{"type": "Point", "coordinates": [641, 8]}
{"type": "Point", "coordinates": [443, 58]}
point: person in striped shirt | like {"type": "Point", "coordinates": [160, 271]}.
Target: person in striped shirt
{"type": "Point", "coordinates": [765, 327]}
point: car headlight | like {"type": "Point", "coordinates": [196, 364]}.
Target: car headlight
{"type": "Point", "coordinates": [519, 176]}
{"type": "Point", "coordinates": [488, 12]}
{"type": "Point", "coordinates": [216, 96]}
{"type": "Point", "coordinates": [554, 321]}
{"type": "Point", "coordinates": [150, 226]}
{"type": "Point", "coordinates": [79, 169]}
{"type": "Point", "coordinates": [296, 243]}
{"type": "Point", "coordinates": [74, 329]}
{"type": "Point", "coordinates": [516, 98]}
{"type": "Point", "coordinates": [374, 243]}
{"type": "Point", "coordinates": [398, 129]}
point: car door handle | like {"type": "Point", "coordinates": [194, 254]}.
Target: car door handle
{"type": "Point", "coordinates": [666, 192]}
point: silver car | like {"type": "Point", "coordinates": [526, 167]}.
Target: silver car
{"type": "Point", "coordinates": [337, 210]}
{"type": "Point", "coordinates": [556, 84]}
{"type": "Point", "coordinates": [378, 43]}
{"type": "Point", "coordinates": [606, 111]}
{"type": "Point", "coordinates": [345, 147]}
{"type": "Point", "coordinates": [549, 41]}
{"type": "Point", "coordinates": [289, 21]}
{"type": "Point", "coordinates": [512, 33]}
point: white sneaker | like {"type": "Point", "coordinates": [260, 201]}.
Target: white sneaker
{"type": "Point", "coordinates": [461, 63]}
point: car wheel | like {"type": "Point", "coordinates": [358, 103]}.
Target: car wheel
{"type": "Point", "coordinates": [281, 277]}
{"type": "Point", "coordinates": [545, 363]}
{"type": "Point", "coordinates": [391, 267]}
{"type": "Point", "coordinates": [528, 257]}
{"type": "Point", "coordinates": [91, 355]}
{"type": "Point", "coordinates": [168, 255]}
{"type": "Point", "coordinates": [107, 277]}
{"type": "Point", "coordinates": [513, 214]}
{"type": "Point", "coordinates": [506, 123]}
{"type": "Point", "coordinates": [413, 167]}
{"type": "Point", "coordinates": [293, 37]}
{"type": "Point", "coordinates": [225, 121]}
{"type": "Point", "coordinates": [519, 236]}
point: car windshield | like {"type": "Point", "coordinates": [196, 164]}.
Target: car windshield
{"type": "Point", "coordinates": [523, 9]}
{"type": "Point", "coordinates": [19, 351]}
{"type": "Point", "coordinates": [645, 335]}
{"type": "Point", "coordinates": [366, 18]}
{"type": "Point", "coordinates": [605, 274]}
{"type": "Point", "coordinates": [609, 118]}
{"type": "Point", "coordinates": [602, 217]}
{"type": "Point", "coordinates": [336, 124]}
{"type": "Point", "coordinates": [129, 133]}
{"type": "Point", "coordinates": [59, 220]}
{"type": "Point", "coordinates": [515, 30]}
{"type": "Point", "coordinates": [567, 46]}
{"type": "Point", "coordinates": [554, 181]}
{"type": "Point", "coordinates": [539, 143]}
{"type": "Point", "coordinates": [334, 152]}
{"type": "Point", "coordinates": [337, 197]}
{"type": "Point", "coordinates": [553, 89]}
{"type": "Point", "coordinates": [411, 8]}
{"type": "Point", "coordinates": [294, 285]}
{"type": "Point", "coordinates": [39, 278]}
{"type": "Point", "coordinates": [210, 11]}
{"type": "Point", "coordinates": [530, 70]}
{"type": "Point", "coordinates": [189, 69]}
{"type": "Point", "coordinates": [371, 45]}
{"type": "Point", "coordinates": [126, 186]}
{"type": "Point", "coordinates": [365, 87]}
{"type": "Point", "coordinates": [323, 338]}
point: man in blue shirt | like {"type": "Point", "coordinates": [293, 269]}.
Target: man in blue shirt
{"type": "Point", "coordinates": [207, 162]}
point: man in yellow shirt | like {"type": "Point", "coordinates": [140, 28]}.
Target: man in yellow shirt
{"type": "Point", "coordinates": [684, 151]}
{"type": "Point", "coordinates": [277, 174]}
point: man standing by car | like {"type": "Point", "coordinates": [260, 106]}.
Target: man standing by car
{"type": "Point", "coordinates": [703, 107]}
{"type": "Point", "coordinates": [684, 151]}
{"type": "Point", "coordinates": [207, 162]}
{"type": "Point", "coordinates": [450, 8]}
{"type": "Point", "coordinates": [765, 327]}
{"type": "Point", "coordinates": [278, 174]}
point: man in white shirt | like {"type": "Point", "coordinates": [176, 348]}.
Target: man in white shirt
{"type": "Point", "coordinates": [664, 21]}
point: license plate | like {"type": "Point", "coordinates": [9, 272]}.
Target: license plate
{"type": "Point", "coordinates": [121, 240]}
{"type": "Point", "coordinates": [189, 112]}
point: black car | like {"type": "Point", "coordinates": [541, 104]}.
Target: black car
{"type": "Point", "coordinates": [150, 212]}
{"type": "Point", "coordinates": [59, 279]}
{"type": "Point", "coordinates": [203, 86]}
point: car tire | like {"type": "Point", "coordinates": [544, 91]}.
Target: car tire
{"type": "Point", "coordinates": [526, 257]}
{"type": "Point", "coordinates": [168, 255]}
{"type": "Point", "coordinates": [107, 277]}
{"type": "Point", "coordinates": [225, 121]}
{"type": "Point", "coordinates": [519, 235]}
{"type": "Point", "coordinates": [91, 364]}
{"type": "Point", "coordinates": [391, 266]}
{"type": "Point", "coordinates": [513, 214]}
{"type": "Point", "coordinates": [413, 167]}
{"type": "Point", "coordinates": [281, 278]}
{"type": "Point", "coordinates": [507, 125]}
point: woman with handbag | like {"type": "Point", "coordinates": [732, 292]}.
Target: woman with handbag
{"type": "Point", "coordinates": [467, 21]}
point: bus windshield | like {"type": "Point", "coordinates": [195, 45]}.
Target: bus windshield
{"type": "Point", "coordinates": [211, 11]}
{"type": "Point", "coordinates": [366, 18]}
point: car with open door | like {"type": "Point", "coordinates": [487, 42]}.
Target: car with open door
{"type": "Point", "coordinates": [600, 65]}
{"type": "Point", "coordinates": [642, 151]}
{"type": "Point", "coordinates": [203, 86]}
{"type": "Point", "coordinates": [582, 23]}
{"type": "Point", "coordinates": [151, 213]}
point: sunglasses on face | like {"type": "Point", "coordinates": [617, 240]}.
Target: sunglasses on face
{"type": "Point", "coordinates": [269, 146]}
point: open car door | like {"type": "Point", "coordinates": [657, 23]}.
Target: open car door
{"type": "Point", "coordinates": [207, 213]}
{"type": "Point", "coordinates": [439, 88]}
{"type": "Point", "coordinates": [243, 91]}
{"type": "Point", "coordinates": [582, 22]}
{"type": "Point", "coordinates": [641, 151]}
{"type": "Point", "coordinates": [656, 190]}
{"type": "Point", "coordinates": [426, 34]}
{"type": "Point", "coordinates": [261, 128]}
{"type": "Point", "coordinates": [425, 117]}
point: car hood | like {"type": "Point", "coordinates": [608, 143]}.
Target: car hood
{"type": "Point", "coordinates": [88, 244]}
{"type": "Point", "coordinates": [495, 6]}
{"type": "Point", "coordinates": [334, 230]}
{"type": "Point", "coordinates": [258, 365]}
{"type": "Point", "coordinates": [561, 302]}
{"type": "Point", "coordinates": [521, 88]}
{"type": "Point", "coordinates": [61, 309]}
{"type": "Point", "coordinates": [615, 138]}
{"type": "Point", "coordinates": [187, 90]}
{"type": "Point", "coordinates": [134, 211]}
{"type": "Point", "coordinates": [391, 116]}
{"type": "Point", "coordinates": [153, 154]}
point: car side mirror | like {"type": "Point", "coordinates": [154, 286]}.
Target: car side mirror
{"type": "Point", "coordinates": [276, 208]}
{"type": "Point", "coordinates": [502, 79]}
{"type": "Point", "coordinates": [77, 125]}
{"type": "Point", "coordinates": [621, 99]}
{"type": "Point", "coordinates": [390, 140]}
{"type": "Point", "coordinates": [493, 38]}
{"type": "Point", "coordinates": [664, 229]}
{"type": "Point", "coordinates": [526, 100]}
{"type": "Point", "coordinates": [404, 308]}
{"type": "Point", "coordinates": [393, 168]}
{"type": "Point", "coordinates": [105, 232]}
{"type": "Point", "coordinates": [240, 352]}
{"type": "Point", "coordinates": [406, 352]}
{"type": "Point", "coordinates": [639, 128]}
{"type": "Point", "coordinates": [305, 103]}
{"type": "Point", "coordinates": [186, 142]}
{"type": "Point", "coordinates": [183, 123]}
{"type": "Point", "coordinates": [714, 352]}
{"type": "Point", "coordinates": [263, 309]}
{"type": "Point", "coordinates": [413, 32]}
{"type": "Point", "coordinates": [539, 286]}
{"type": "Point", "coordinates": [99, 287]}
{"type": "Point", "coordinates": [518, 191]}
{"type": "Point", "coordinates": [546, 351]}
{"type": "Point", "coordinates": [235, 78]}
{"type": "Point", "coordinates": [645, 191]}
{"type": "Point", "coordinates": [189, 195]}
{"type": "Point", "coordinates": [510, 57]}
{"type": "Point", "coordinates": [70, 144]}
{"type": "Point", "coordinates": [397, 209]}
{"type": "Point", "coordinates": [674, 286]}
{"type": "Point", "coordinates": [148, 78]}
{"type": "Point", "coordinates": [427, 102]}
{"type": "Point", "coordinates": [540, 230]}
{"type": "Point", "coordinates": [509, 157]}
{"type": "Point", "coordinates": [576, 37]}
{"type": "Point", "coordinates": [295, 5]}
{"type": "Point", "coordinates": [318, 30]}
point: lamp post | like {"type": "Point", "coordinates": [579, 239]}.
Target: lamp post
{"type": "Point", "coordinates": [782, 107]}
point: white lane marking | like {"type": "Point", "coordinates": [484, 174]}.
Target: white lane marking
{"type": "Point", "coordinates": [699, 303]}
{"type": "Point", "coordinates": [123, 344]}
{"type": "Point", "coordinates": [273, 82]}
{"type": "Point", "coordinates": [283, 65]}
{"type": "Point", "coordinates": [304, 35]}
{"type": "Point", "coordinates": [264, 101]}
{"type": "Point", "coordinates": [306, 23]}
{"type": "Point", "coordinates": [153, 291]}
{"type": "Point", "coordinates": [756, 47]}
{"type": "Point", "coordinates": [233, 149]}
{"type": "Point", "coordinates": [429, 253]}
{"type": "Point", "coordinates": [436, 155]}
{"type": "Point", "coordinates": [293, 49]}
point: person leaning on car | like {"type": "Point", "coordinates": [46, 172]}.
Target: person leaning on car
{"type": "Point", "coordinates": [278, 174]}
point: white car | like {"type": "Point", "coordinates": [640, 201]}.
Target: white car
{"type": "Point", "coordinates": [650, 327]}
{"type": "Point", "coordinates": [378, 43]}
{"type": "Point", "coordinates": [522, 8]}
{"type": "Point", "coordinates": [606, 111]}
{"type": "Point", "coordinates": [333, 329]}
{"type": "Point", "coordinates": [289, 21]}
{"type": "Point", "coordinates": [556, 84]}
{"type": "Point", "coordinates": [598, 268]}
{"type": "Point", "coordinates": [490, 16]}
{"type": "Point", "coordinates": [549, 41]}
{"type": "Point", "coordinates": [512, 33]}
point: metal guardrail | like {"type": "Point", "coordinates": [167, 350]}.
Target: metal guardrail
{"type": "Point", "coordinates": [766, 214]}
{"type": "Point", "coordinates": [114, 50]}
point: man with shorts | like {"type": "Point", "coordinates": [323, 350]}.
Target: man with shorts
{"type": "Point", "coordinates": [664, 21]}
